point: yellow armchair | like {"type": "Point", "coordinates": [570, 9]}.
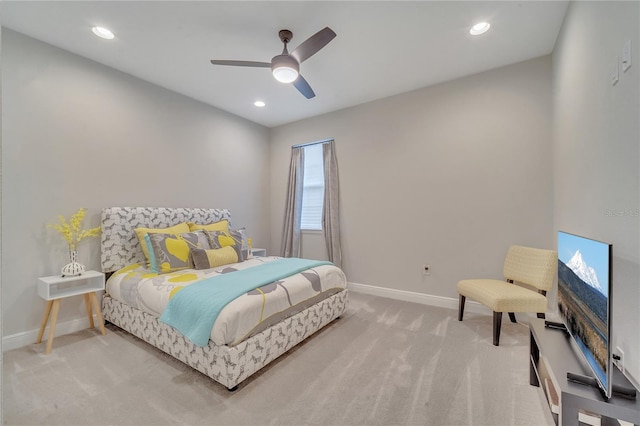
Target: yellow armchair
{"type": "Point", "coordinates": [533, 267]}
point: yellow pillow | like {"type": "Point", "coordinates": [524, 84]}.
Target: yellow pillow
{"type": "Point", "coordinates": [141, 232]}
{"type": "Point", "coordinates": [206, 259]}
{"type": "Point", "coordinates": [223, 226]}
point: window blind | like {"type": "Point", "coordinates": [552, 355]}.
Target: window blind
{"type": "Point", "coordinates": [313, 188]}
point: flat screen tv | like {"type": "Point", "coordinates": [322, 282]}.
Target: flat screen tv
{"type": "Point", "coordinates": [584, 301]}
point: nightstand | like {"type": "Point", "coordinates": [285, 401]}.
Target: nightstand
{"type": "Point", "coordinates": [54, 288]}
{"type": "Point", "coordinates": [258, 252]}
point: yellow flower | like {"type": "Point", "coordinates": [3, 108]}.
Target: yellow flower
{"type": "Point", "coordinates": [71, 231]}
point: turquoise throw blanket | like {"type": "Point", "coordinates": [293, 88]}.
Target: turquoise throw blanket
{"type": "Point", "coordinates": [194, 309]}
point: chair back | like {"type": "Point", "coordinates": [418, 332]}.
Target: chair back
{"type": "Point", "coordinates": [532, 266]}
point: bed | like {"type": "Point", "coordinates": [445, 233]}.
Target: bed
{"type": "Point", "coordinates": [249, 332]}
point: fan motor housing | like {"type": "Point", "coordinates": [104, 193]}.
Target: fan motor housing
{"type": "Point", "coordinates": [285, 68]}
{"type": "Point", "coordinates": [284, 61]}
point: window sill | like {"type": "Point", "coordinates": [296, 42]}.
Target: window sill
{"type": "Point", "coordinates": [311, 231]}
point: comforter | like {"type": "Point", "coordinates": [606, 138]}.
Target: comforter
{"type": "Point", "coordinates": [249, 314]}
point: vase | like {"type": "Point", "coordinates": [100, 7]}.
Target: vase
{"type": "Point", "coordinates": [73, 268]}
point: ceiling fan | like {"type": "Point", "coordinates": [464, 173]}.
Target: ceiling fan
{"type": "Point", "coordinates": [286, 66]}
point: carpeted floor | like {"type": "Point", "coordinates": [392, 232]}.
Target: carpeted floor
{"type": "Point", "coordinates": [386, 362]}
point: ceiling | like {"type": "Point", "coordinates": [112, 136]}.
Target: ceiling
{"type": "Point", "coordinates": [381, 48]}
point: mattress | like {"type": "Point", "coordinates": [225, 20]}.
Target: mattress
{"type": "Point", "coordinates": [251, 313]}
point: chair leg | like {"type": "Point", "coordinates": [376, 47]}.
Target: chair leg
{"type": "Point", "coordinates": [541, 314]}
{"type": "Point", "coordinates": [497, 323]}
{"type": "Point", "coordinates": [512, 317]}
{"type": "Point", "coordinates": [461, 307]}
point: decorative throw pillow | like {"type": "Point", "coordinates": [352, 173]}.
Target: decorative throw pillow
{"type": "Point", "coordinates": [246, 251]}
{"type": "Point", "coordinates": [206, 259]}
{"type": "Point", "coordinates": [141, 232]}
{"type": "Point", "coordinates": [172, 251]}
{"type": "Point", "coordinates": [222, 225]}
{"type": "Point", "coordinates": [219, 239]}
{"type": "Point", "coordinates": [152, 258]}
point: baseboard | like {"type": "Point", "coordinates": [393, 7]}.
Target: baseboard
{"type": "Point", "coordinates": [25, 338]}
{"type": "Point", "coordinates": [422, 298]}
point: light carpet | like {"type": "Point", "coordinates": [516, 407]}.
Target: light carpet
{"type": "Point", "coordinates": [385, 362]}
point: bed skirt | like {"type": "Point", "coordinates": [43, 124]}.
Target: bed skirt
{"type": "Point", "coordinates": [226, 365]}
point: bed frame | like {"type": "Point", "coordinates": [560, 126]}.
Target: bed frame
{"type": "Point", "coordinates": [228, 365]}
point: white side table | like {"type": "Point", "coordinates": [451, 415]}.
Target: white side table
{"type": "Point", "coordinates": [54, 288]}
{"type": "Point", "coordinates": [258, 252]}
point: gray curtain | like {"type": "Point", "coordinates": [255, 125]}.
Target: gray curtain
{"type": "Point", "coordinates": [331, 208]}
{"type": "Point", "coordinates": [290, 246]}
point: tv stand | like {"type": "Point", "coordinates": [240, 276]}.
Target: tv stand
{"type": "Point", "coordinates": [551, 358]}
{"type": "Point", "coordinates": [621, 391]}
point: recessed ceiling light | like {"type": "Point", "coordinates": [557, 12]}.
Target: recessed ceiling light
{"type": "Point", "coordinates": [259, 104]}
{"type": "Point", "coordinates": [480, 28]}
{"type": "Point", "coordinates": [102, 32]}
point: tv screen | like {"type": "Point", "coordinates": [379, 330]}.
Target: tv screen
{"type": "Point", "coordinates": [584, 300]}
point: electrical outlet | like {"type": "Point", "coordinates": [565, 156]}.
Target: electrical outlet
{"type": "Point", "coordinates": [426, 269]}
{"type": "Point", "coordinates": [619, 362]}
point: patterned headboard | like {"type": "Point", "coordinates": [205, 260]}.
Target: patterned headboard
{"type": "Point", "coordinates": [120, 246]}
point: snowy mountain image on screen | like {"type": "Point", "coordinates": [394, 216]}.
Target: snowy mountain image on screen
{"type": "Point", "coordinates": [585, 272]}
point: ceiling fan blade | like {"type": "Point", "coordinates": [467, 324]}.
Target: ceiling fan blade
{"type": "Point", "coordinates": [303, 87]}
{"type": "Point", "coordinates": [242, 63]}
{"type": "Point", "coordinates": [310, 46]}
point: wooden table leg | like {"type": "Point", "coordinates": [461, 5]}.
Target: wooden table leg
{"type": "Point", "coordinates": [45, 318]}
{"type": "Point", "coordinates": [52, 327]}
{"type": "Point", "coordinates": [87, 304]}
{"type": "Point", "coordinates": [96, 308]}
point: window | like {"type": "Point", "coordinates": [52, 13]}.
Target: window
{"type": "Point", "coordinates": [313, 188]}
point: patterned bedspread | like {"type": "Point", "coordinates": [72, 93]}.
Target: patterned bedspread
{"type": "Point", "coordinates": [248, 314]}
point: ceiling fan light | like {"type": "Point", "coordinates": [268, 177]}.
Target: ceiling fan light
{"type": "Point", "coordinates": [284, 68]}
{"type": "Point", "coordinates": [285, 74]}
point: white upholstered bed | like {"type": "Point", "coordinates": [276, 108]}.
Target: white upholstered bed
{"type": "Point", "coordinates": [279, 315]}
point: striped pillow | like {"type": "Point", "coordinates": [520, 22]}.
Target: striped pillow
{"type": "Point", "coordinates": [206, 259]}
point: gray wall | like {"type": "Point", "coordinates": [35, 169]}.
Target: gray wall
{"type": "Point", "coordinates": [597, 149]}
{"type": "Point", "coordinates": [450, 175]}
{"type": "Point", "coordinates": [78, 134]}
